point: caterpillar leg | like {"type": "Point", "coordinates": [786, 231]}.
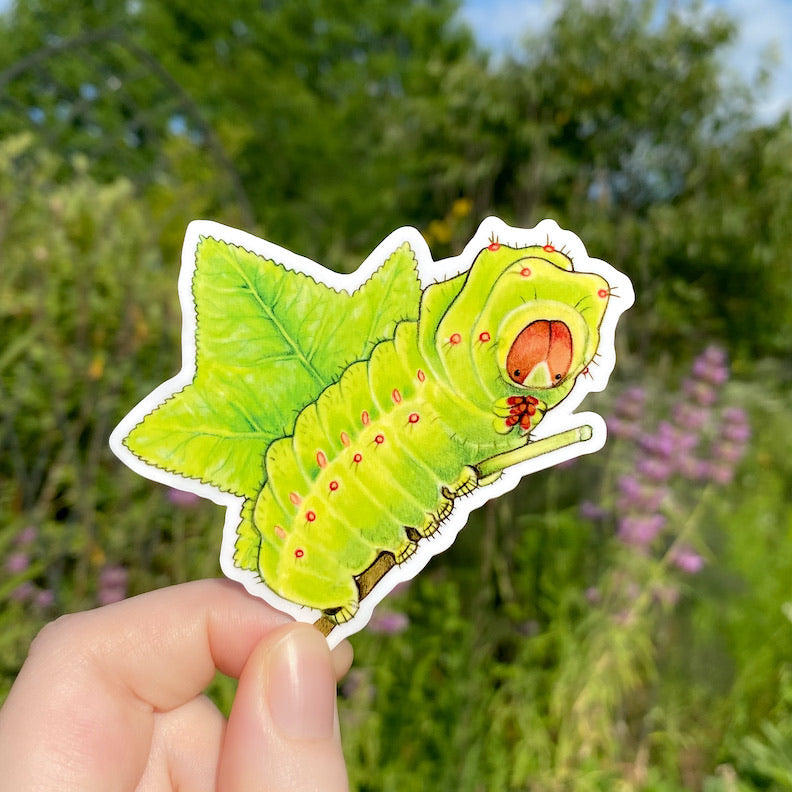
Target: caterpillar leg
{"type": "Point", "coordinates": [436, 518]}
{"type": "Point", "coordinates": [406, 550]}
{"type": "Point", "coordinates": [466, 482]}
{"type": "Point", "coordinates": [342, 613]}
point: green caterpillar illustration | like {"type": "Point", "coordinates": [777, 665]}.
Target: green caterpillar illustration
{"type": "Point", "coordinates": [350, 423]}
{"type": "Point", "coordinates": [376, 462]}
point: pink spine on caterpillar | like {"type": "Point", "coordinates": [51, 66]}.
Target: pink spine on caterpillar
{"type": "Point", "coordinates": [420, 375]}
{"type": "Point", "coordinates": [295, 498]}
{"type": "Point", "coordinates": [321, 459]}
{"type": "Point", "coordinates": [396, 396]}
{"type": "Point", "coordinates": [364, 418]}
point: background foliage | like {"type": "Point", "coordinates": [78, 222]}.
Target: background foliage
{"type": "Point", "coordinates": [622, 623]}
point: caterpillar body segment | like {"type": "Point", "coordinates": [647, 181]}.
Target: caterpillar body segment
{"type": "Point", "coordinates": [377, 460]}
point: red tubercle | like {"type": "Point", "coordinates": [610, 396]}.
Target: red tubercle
{"type": "Point", "coordinates": [379, 439]}
{"type": "Point", "coordinates": [525, 272]}
{"type": "Point", "coordinates": [414, 418]}
{"type": "Point", "coordinates": [603, 293]}
{"type": "Point", "coordinates": [310, 516]}
{"type": "Point", "coordinates": [396, 396]}
{"type": "Point", "coordinates": [420, 375]}
{"type": "Point", "coordinates": [494, 246]}
{"type": "Point", "coordinates": [365, 419]}
{"type": "Point", "coordinates": [333, 485]}
{"type": "Point", "coordinates": [548, 248]}
{"type": "Point", "coordinates": [521, 410]}
{"type": "Point", "coordinates": [357, 458]}
{"type": "Point", "coordinates": [299, 552]}
{"type": "Point", "coordinates": [321, 459]}
{"type": "Point", "coordinates": [522, 400]}
{"type": "Point", "coordinates": [455, 339]}
{"type": "Point", "coordinates": [484, 337]}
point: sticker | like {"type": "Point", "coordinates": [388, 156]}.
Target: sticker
{"type": "Point", "coordinates": [350, 423]}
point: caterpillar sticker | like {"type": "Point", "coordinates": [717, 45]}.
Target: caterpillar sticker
{"type": "Point", "coordinates": [350, 423]}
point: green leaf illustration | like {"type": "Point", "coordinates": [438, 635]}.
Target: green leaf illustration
{"type": "Point", "coordinates": [268, 341]}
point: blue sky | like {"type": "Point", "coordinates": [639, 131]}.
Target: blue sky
{"type": "Point", "coordinates": [764, 26]}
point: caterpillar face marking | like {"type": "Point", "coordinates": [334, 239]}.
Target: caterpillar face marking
{"type": "Point", "coordinates": [397, 438]}
{"type": "Point", "coordinates": [541, 354]}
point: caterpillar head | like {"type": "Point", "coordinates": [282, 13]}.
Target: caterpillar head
{"type": "Point", "coordinates": [536, 326]}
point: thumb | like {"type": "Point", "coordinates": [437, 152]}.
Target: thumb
{"type": "Point", "coordinates": [283, 730]}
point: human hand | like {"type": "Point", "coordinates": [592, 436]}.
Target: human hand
{"type": "Point", "coordinates": [111, 699]}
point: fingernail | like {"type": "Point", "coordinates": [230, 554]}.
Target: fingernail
{"type": "Point", "coordinates": [301, 687]}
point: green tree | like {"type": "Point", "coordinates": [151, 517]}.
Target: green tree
{"type": "Point", "coordinates": [306, 98]}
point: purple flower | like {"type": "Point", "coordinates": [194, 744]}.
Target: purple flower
{"type": "Point", "coordinates": [184, 500]}
{"type": "Point", "coordinates": [629, 486]}
{"type": "Point", "coordinates": [593, 595]}
{"type": "Point", "coordinates": [661, 444]}
{"type": "Point", "coordinates": [692, 417]}
{"type": "Point", "coordinates": [713, 373]}
{"type": "Point", "coordinates": [26, 536]}
{"type": "Point", "coordinates": [357, 682]}
{"type": "Point", "coordinates": [702, 393]}
{"type": "Point", "coordinates": [736, 426]}
{"type": "Point", "coordinates": [645, 498]}
{"type": "Point", "coordinates": [23, 592]}
{"type": "Point", "coordinates": [728, 452]}
{"type": "Point", "coordinates": [112, 584]}
{"type": "Point", "coordinates": [640, 531]}
{"type": "Point", "coordinates": [45, 598]}
{"type": "Point", "coordinates": [17, 562]}
{"type": "Point", "coordinates": [630, 404]}
{"type": "Point", "coordinates": [591, 511]}
{"type": "Point", "coordinates": [688, 560]}
{"type": "Point", "coordinates": [721, 474]}
{"type": "Point", "coordinates": [737, 433]}
{"type": "Point", "coordinates": [624, 429]}
{"type": "Point", "coordinates": [389, 623]}
{"type": "Point", "coordinates": [693, 468]}
{"type": "Point", "coordinates": [655, 469]}
{"type": "Point", "coordinates": [735, 415]}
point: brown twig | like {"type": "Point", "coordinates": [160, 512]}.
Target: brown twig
{"type": "Point", "coordinates": [366, 581]}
